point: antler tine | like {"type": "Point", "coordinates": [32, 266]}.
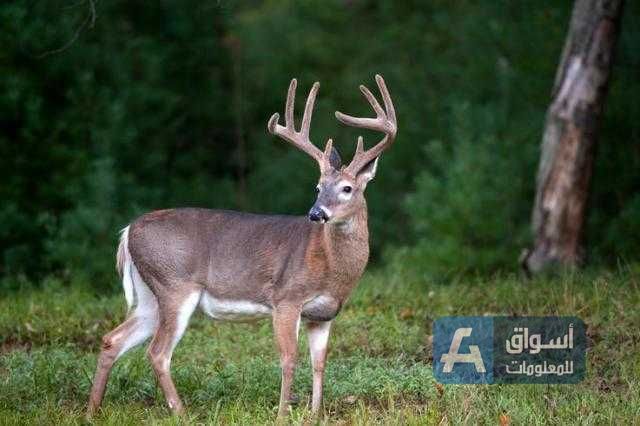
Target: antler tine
{"type": "Point", "coordinates": [327, 150]}
{"type": "Point", "coordinates": [385, 122]}
{"type": "Point", "coordinates": [308, 110]}
{"type": "Point", "coordinates": [372, 100]}
{"type": "Point", "coordinates": [359, 146]}
{"type": "Point", "coordinates": [288, 132]}
{"type": "Point", "coordinates": [386, 98]}
{"type": "Point", "coordinates": [290, 104]}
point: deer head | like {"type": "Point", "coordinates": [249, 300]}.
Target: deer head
{"type": "Point", "coordinates": [340, 189]}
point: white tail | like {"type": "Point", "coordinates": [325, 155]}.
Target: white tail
{"type": "Point", "coordinates": [136, 291]}
{"type": "Point", "coordinates": [123, 265]}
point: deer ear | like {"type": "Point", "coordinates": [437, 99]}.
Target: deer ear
{"type": "Point", "coordinates": [331, 156]}
{"type": "Point", "coordinates": [368, 172]}
{"type": "Point", "coordinates": [334, 159]}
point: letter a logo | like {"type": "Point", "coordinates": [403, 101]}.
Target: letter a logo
{"type": "Point", "coordinates": [463, 350]}
{"type": "Point", "coordinates": [452, 357]}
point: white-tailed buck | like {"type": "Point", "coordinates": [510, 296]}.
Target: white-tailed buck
{"type": "Point", "coordinates": [241, 266]}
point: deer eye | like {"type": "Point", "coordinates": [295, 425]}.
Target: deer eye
{"type": "Point", "coordinates": [347, 189]}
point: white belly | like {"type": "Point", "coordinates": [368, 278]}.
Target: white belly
{"type": "Point", "coordinates": [232, 310]}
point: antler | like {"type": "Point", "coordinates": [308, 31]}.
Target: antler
{"type": "Point", "coordinates": [288, 132]}
{"type": "Point", "coordinates": [385, 122]}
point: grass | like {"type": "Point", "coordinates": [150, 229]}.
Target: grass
{"type": "Point", "coordinates": [378, 370]}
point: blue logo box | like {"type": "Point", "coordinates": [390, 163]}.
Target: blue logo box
{"type": "Point", "coordinates": [487, 350]}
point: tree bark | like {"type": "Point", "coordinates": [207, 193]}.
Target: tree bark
{"type": "Point", "coordinates": [569, 139]}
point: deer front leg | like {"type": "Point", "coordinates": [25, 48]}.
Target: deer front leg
{"type": "Point", "coordinates": [286, 322]}
{"type": "Point", "coordinates": [318, 336]}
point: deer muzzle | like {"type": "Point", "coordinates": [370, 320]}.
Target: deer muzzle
{"type": "Point", "coordinates": [319, 214]}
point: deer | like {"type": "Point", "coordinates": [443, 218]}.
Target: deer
{"type": "Point", "coordinates": [237, 266]}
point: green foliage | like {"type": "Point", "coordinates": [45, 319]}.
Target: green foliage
{"type": "Point", "coordinates": [165, 104]}
{"type": "Point", "coordinates": [111, 126]}
{"type": "Point", "coordinates": [379, 367]}
{"type": "Point", "coordinates": [467, 199]}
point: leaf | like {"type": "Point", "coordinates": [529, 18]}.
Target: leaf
{"type": "Point", "coordinates": [439, 389]}
{"type": "Point", "coordinates": [406, 313]}
{"type": "Point", "coordinates": [351, 399]}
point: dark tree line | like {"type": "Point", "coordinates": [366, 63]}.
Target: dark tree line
{"type": "Point", "coordinates": [165, 104]}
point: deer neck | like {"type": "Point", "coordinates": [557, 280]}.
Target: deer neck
{"type": "Point", "coordinates": [352, 231]}
{"type": "Point", "coordinates": [346, 247]}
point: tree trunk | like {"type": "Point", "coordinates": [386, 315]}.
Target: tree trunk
{"type": "Point", "coordinates": [569, 139]}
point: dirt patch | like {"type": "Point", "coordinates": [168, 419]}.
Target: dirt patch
{"type": "Point", "coordinates": [11, 345]}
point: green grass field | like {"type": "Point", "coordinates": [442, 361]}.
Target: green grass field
{"type": "Point", "coordinates": [378, 371]}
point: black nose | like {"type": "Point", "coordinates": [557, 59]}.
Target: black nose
{"type": "Point", "coordinates": [316, 214]}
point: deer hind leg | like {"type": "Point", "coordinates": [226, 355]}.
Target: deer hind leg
{"type": "Point", "coordinates": [318, 336]}
{"type": "Point", "coordinates": [174, 318]}
{"type": "Point", "coordinates": [134, 331]}
{"type": "Point", "coordinates": [286, 324]}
